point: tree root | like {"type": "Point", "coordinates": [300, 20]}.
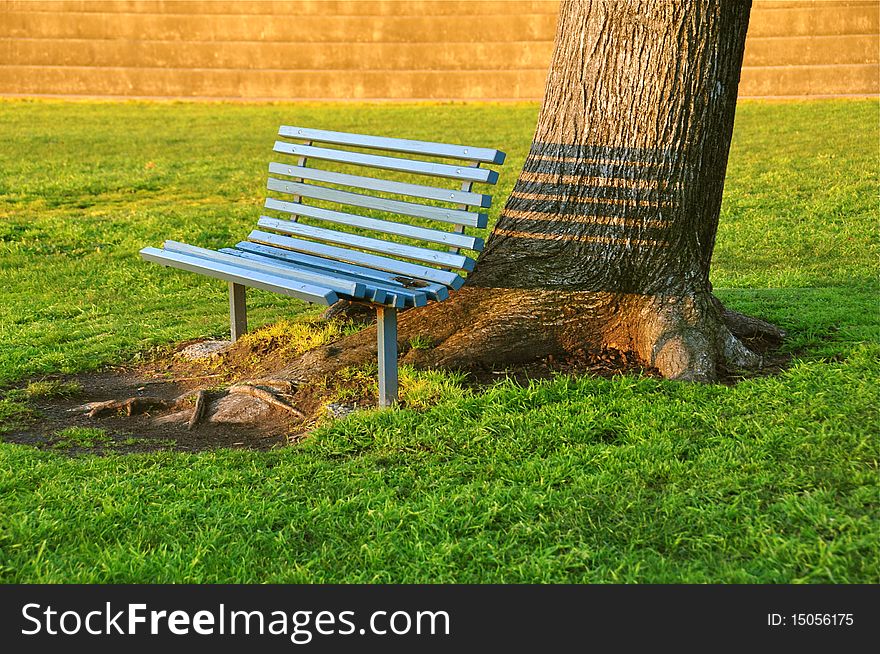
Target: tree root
{"type": "Point", "coordinates": [131, 407]}
{"type": "Point", "coordinates": [688, 338]}
{"type": "Point", "coordinates": [744, 326]}
{"type": "Point", "coordinates": [198, 410]}
{"type": "Point", "coordinates": [685, 337]}
{"type": "Point", "coordinates": [274, 392]}
{"type": "Point", "coordinates": [269, 397]}
{"type": "Point", "coordinates": [281, 386]}
{"type": "Point", "coordinates": [176, 380]}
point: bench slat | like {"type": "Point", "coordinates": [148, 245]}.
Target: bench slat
{"type": "Point", "coordinates": [371, 293]}
{"type": "Point", "coordinates": [432, 290]}
{"type": "Point", "coordinates": [343, 287]}
{"type": "Point", "coordinates": [380, 296]}
{"type": "Point", "coordinates": [390, 163]}
{"type": "Point", "coordinates": [376, 291]}
{"type": "Point", "coordinates": [267, 282]}
{"type": "Point", "coordinates": [442, 214]}
{"type": "Point", "coordinates": [386, 185]}
{"type": "Point", "coordinates": [409, 297]}
{"type": "Point", "coordinates": [416, 271]}
{"type": "Point", "coordinates": [384, 226]}
{"type": "Point", "coordinates": [408, 146]}
{"type": "Point", "coordinates": [435, 257]}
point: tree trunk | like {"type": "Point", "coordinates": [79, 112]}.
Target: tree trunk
{"type": "Point", "coordinates": [607, 238]}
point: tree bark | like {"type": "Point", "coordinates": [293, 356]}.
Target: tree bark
{"type": "Point", "coordinates": [607, 238]}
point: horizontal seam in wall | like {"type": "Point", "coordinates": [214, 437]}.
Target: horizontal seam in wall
{"type": "Point", "coordinates": [827, 7]}
{"type": "Point", "coordinates": [789, 66]}
{"type": "Point", "coordinates": [381, 70]}
{"type": "Point", "coordinates": [263, 42]}
{"type": "Point", "coordinates": [258, 42]}
{"type": "Point", "coordinates": [65, 39]}
{"type": "Point", "coordinates": [398, 43]}
{"type": "Point", "coordinates": [273, 15]}
{"type": "Point", "coordinates": [268, 99]}
{"type": "Point", "coordinates": [283, 70]}
{"type": "Point", "coordinates": [810, 36]}
{"type": "Point", "coordinates": [488, 100]}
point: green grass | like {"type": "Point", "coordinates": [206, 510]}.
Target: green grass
{"type": "Point", "coordinates": [571, 480]}
{"type": "Point", "coordinates": [49, 388]}
{"type": "Point", "coordinates": [14, 414]}
{"type": "Point", "coordinates": [81, 437]}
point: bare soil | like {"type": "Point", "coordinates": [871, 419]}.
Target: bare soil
{"type": "Point", "coordinates": [139, 433]}
{"type": "Point", "coordinates": [169, 376]}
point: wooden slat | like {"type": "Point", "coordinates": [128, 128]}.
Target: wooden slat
{"type": "Point", "coordinates": [434, 257]}
{"type": "Point", "coordinates": [442, 214]}
{"type": "Point", "coordinates": [324, 280]}
{"type": "Point", "coordinates": [389, 163]}
{"type": "Point", "coordinates": [384, 185]}
{"type": "Point", "coordinates": [375, 291]}
{"type": "Point", "coordinates": [384, 226]}
{"type": "Point", "coordinates": [416, 271]}
{"type": "Point", "coordinates": [434, 291]}
{"type": "Point", "coordinates": [407, 146]}
{"type": "Point", "coordinates": [242, 276]}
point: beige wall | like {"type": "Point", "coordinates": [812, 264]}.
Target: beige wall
{"type": "Point", "coordinates": [379, 49]}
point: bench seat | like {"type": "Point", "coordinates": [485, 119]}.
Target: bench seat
{"type": "Point", "coordinates": [403, 254]}
{"type": "Point", "coordinates": [313, 279]}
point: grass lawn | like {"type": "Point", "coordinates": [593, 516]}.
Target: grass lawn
{"type": "Point", "coordinates": [570, 480]}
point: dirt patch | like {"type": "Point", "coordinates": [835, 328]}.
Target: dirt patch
{"type": "Point", "coordinates": [146, 432]}
{"type": "Point", "coordinates": [61, 424]}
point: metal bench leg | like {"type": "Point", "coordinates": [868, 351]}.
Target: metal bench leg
{"type": "Point", "coordinates": [237, 311]}
{"type": "Point", "coordinates": [387, 338]}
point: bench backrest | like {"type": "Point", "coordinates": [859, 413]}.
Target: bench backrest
{"type": "Point", "coordinates": [365, 204]}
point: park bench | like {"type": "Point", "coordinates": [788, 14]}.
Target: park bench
{"type": "Point", "coordinates": [321, 252]}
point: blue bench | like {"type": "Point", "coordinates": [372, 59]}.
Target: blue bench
{"type": "Point", "coordinates": [394, 255]}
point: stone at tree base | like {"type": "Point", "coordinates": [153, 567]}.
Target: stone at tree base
{"type": "Point", "coordinates": [171, 418]}
{"type": "Point", "coordinates": [204, 349]}
{"type": "Point", "coordinates": [239, 409]}
{"type": "Point", "coordinates": [340, 410]}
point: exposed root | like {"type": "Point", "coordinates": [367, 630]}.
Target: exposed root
{"type": "Point", "coordinates": [283, 386]}
{"type": "Point", "coordinates": [269, 397]}
{"type": "Point", "coordinates": [131, 407]}
{"type": "Point", "coordinates": [198, 410]}
{"type": "Point", "coordinates": [687, 338]}
{"type": "Point", "coordinates": [271, 392]}
{"type": "Point", "coordinates": [736, 355]}
{"type": "Point", "coordinates": [685, 356]}
{"type": "Point", "coordinates": [177, 380]}
{"type": "Point", "coordinates": [743, 326]}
